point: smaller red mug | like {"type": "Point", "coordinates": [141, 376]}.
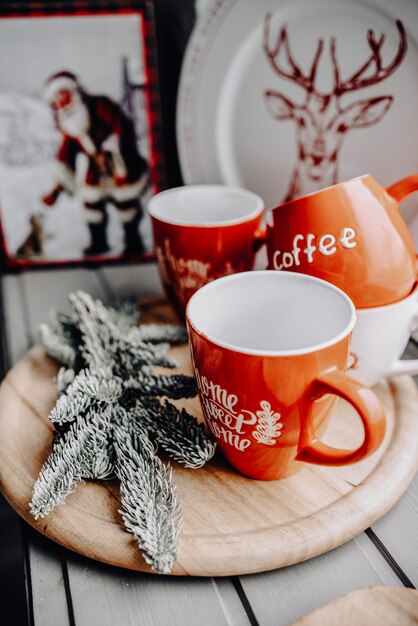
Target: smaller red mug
{"type": "Point", "coordinates": [351, 234]}
{"type": "Point", "coordinates": [269, 351]}
{"type": "Point", "coordinates": [202, 232]}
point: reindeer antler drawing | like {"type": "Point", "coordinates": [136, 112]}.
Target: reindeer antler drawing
{"type": "Point", "coordinates": [358, 80]}
{"type": "Point", "coordinates": [322, 120]}
{"type": "Point", "coordinates": [296, 75]}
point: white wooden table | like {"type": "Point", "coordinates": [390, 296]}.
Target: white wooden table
{"type": "Point", "coordinates": [63, 588]}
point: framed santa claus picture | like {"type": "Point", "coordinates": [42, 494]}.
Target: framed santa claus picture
{"type": "Point", "coordinates": [80, 145]}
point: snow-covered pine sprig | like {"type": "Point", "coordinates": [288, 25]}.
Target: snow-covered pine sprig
{"type": "Point", "coordinates": [151, 510]}
{"type": "Point", "coordinates": [75, 456]}
{"type": "Point", "coordinates": [110, 419]}
{"type": "Point", "coordinates": [176, 431]}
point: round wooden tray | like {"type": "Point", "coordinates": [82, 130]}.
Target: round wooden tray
{"type": "Point", "coordinates": [232, 524]}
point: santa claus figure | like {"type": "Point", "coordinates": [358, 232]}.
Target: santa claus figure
{"type": "Point", "coordinates": [98, 128]}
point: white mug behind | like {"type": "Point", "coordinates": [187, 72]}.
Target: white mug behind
{"type": "Point", "coordinates": [379, 339]}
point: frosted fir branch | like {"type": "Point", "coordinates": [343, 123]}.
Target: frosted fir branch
{"type": "Point", "coordinates": [127, 420]}
{"type": "Point", "coordinates": [132, 357]}
{"type": "Point", "coordinates": [102, 467]}
{"type": "Point", "coordinates": [125, 314]}
{"type": "Point", "coordinates": [175, 386]}
{"type": "Point", "coordinates": [97, 434]}
{"type": "Point", "coordinates": [84, 391]}
{"type": "Point", "coordinates": [64, 378]}
{"type": "Point", "coordinates": [56, 347]}
{"type": "Point", "coordinates": [177, 432]}
{"type": "Point", "coordinates": [97, 330]}
{"type": "Point", "coordinates": [55, 322]}
{"type": "Point", "coordinates": [159, 333]}
{"type": "Point", "coordinates": [57, 478]}
{"type": "Point", "coordinates": [102, 463]}
{"type": "Point", "coordinates": [67, 332]}
{"type": "Point", "coordinates": [95, 348]}
{"type": "Point", "coordinates": [72, 459]}
{"type": "Point", "coordinates": [69, 408]}
{"type": "Point", "coordinates": [149, 498]}
{"type": "Point", "coordinates": [65, 327]}
{"type": "Point", "coordinates": [103, 340]}
{"type": "Point", "coordinates": [99, 384]}
{"type": "Point", "coordinates": [98, 458]}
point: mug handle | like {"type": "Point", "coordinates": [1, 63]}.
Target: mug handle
{"type": "Point", "coordinates": [403, 188]}
{"type": "Point", "coordinates": [260, 238]}
{"type": "Point", "coordinates": [365, 402]}
{"type": "Point", "coordinates": [407, 366]}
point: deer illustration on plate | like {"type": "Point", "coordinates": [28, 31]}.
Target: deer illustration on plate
{"type": "Point", "coordinates": [322, 121]}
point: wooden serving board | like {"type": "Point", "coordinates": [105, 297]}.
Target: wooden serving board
{"type": "Point", "coordinates": [385, 606]}
{"type": "Point", "coordinates": [232, 524]}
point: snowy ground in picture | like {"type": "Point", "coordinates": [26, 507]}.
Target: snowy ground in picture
{"type": "Point", "coordinates": [65, 230]}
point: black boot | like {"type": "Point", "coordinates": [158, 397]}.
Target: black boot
{"type": "Point", "coordinates": [98, 237]}
{"type": "Point", "coordinates": [133, 242]}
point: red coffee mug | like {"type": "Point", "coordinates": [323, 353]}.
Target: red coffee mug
{"type": "Point", "coordinates": [351, 234]}
{"type": "Point", "coordinates": [202, 232]}
{"type": "Point", "coordinates": [269, 351]}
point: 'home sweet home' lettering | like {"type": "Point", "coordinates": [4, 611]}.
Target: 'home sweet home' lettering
{"type": "Point", "coordinates": [220, 407]}
{"type": "Point", "coordinates": [184, 274]}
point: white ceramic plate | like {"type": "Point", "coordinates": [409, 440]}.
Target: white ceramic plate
{"type": "Point", "coordinates": [246, 119]}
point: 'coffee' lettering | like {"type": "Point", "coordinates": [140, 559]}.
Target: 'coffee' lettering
{"type": "Point", "coordinates": [326, 245]}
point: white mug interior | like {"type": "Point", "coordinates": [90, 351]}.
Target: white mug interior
{"type": "Point", "coordinates": [271, 313]}
{"type": "Point", "coordinates": [205, 205]}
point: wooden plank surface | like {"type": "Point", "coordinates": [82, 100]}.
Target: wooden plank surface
{"type": "Point", "coordinates": [132, 280]}
{"type": "Point", "coordinates": [109, 596]}
{"type": "Point", "coordinates": [15, 309]}
{"type": "Point", "coordinates": [15, 592]}
{"type": "Point", "coordinates": [48, 598]}
{"type": "Point", "coordinates": [46, 290]}
{"type": "Point", "coordinates": [269, 595]}
{"type": "Point", "coordinates": [280, 597]}
{"type": "Point", "coordinates": [397, 530]}
{"type": "Point", "coordinates": [47, 582]}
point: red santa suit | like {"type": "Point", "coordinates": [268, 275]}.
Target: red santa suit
{"type": "Point", "coordinates": [116, 172]}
